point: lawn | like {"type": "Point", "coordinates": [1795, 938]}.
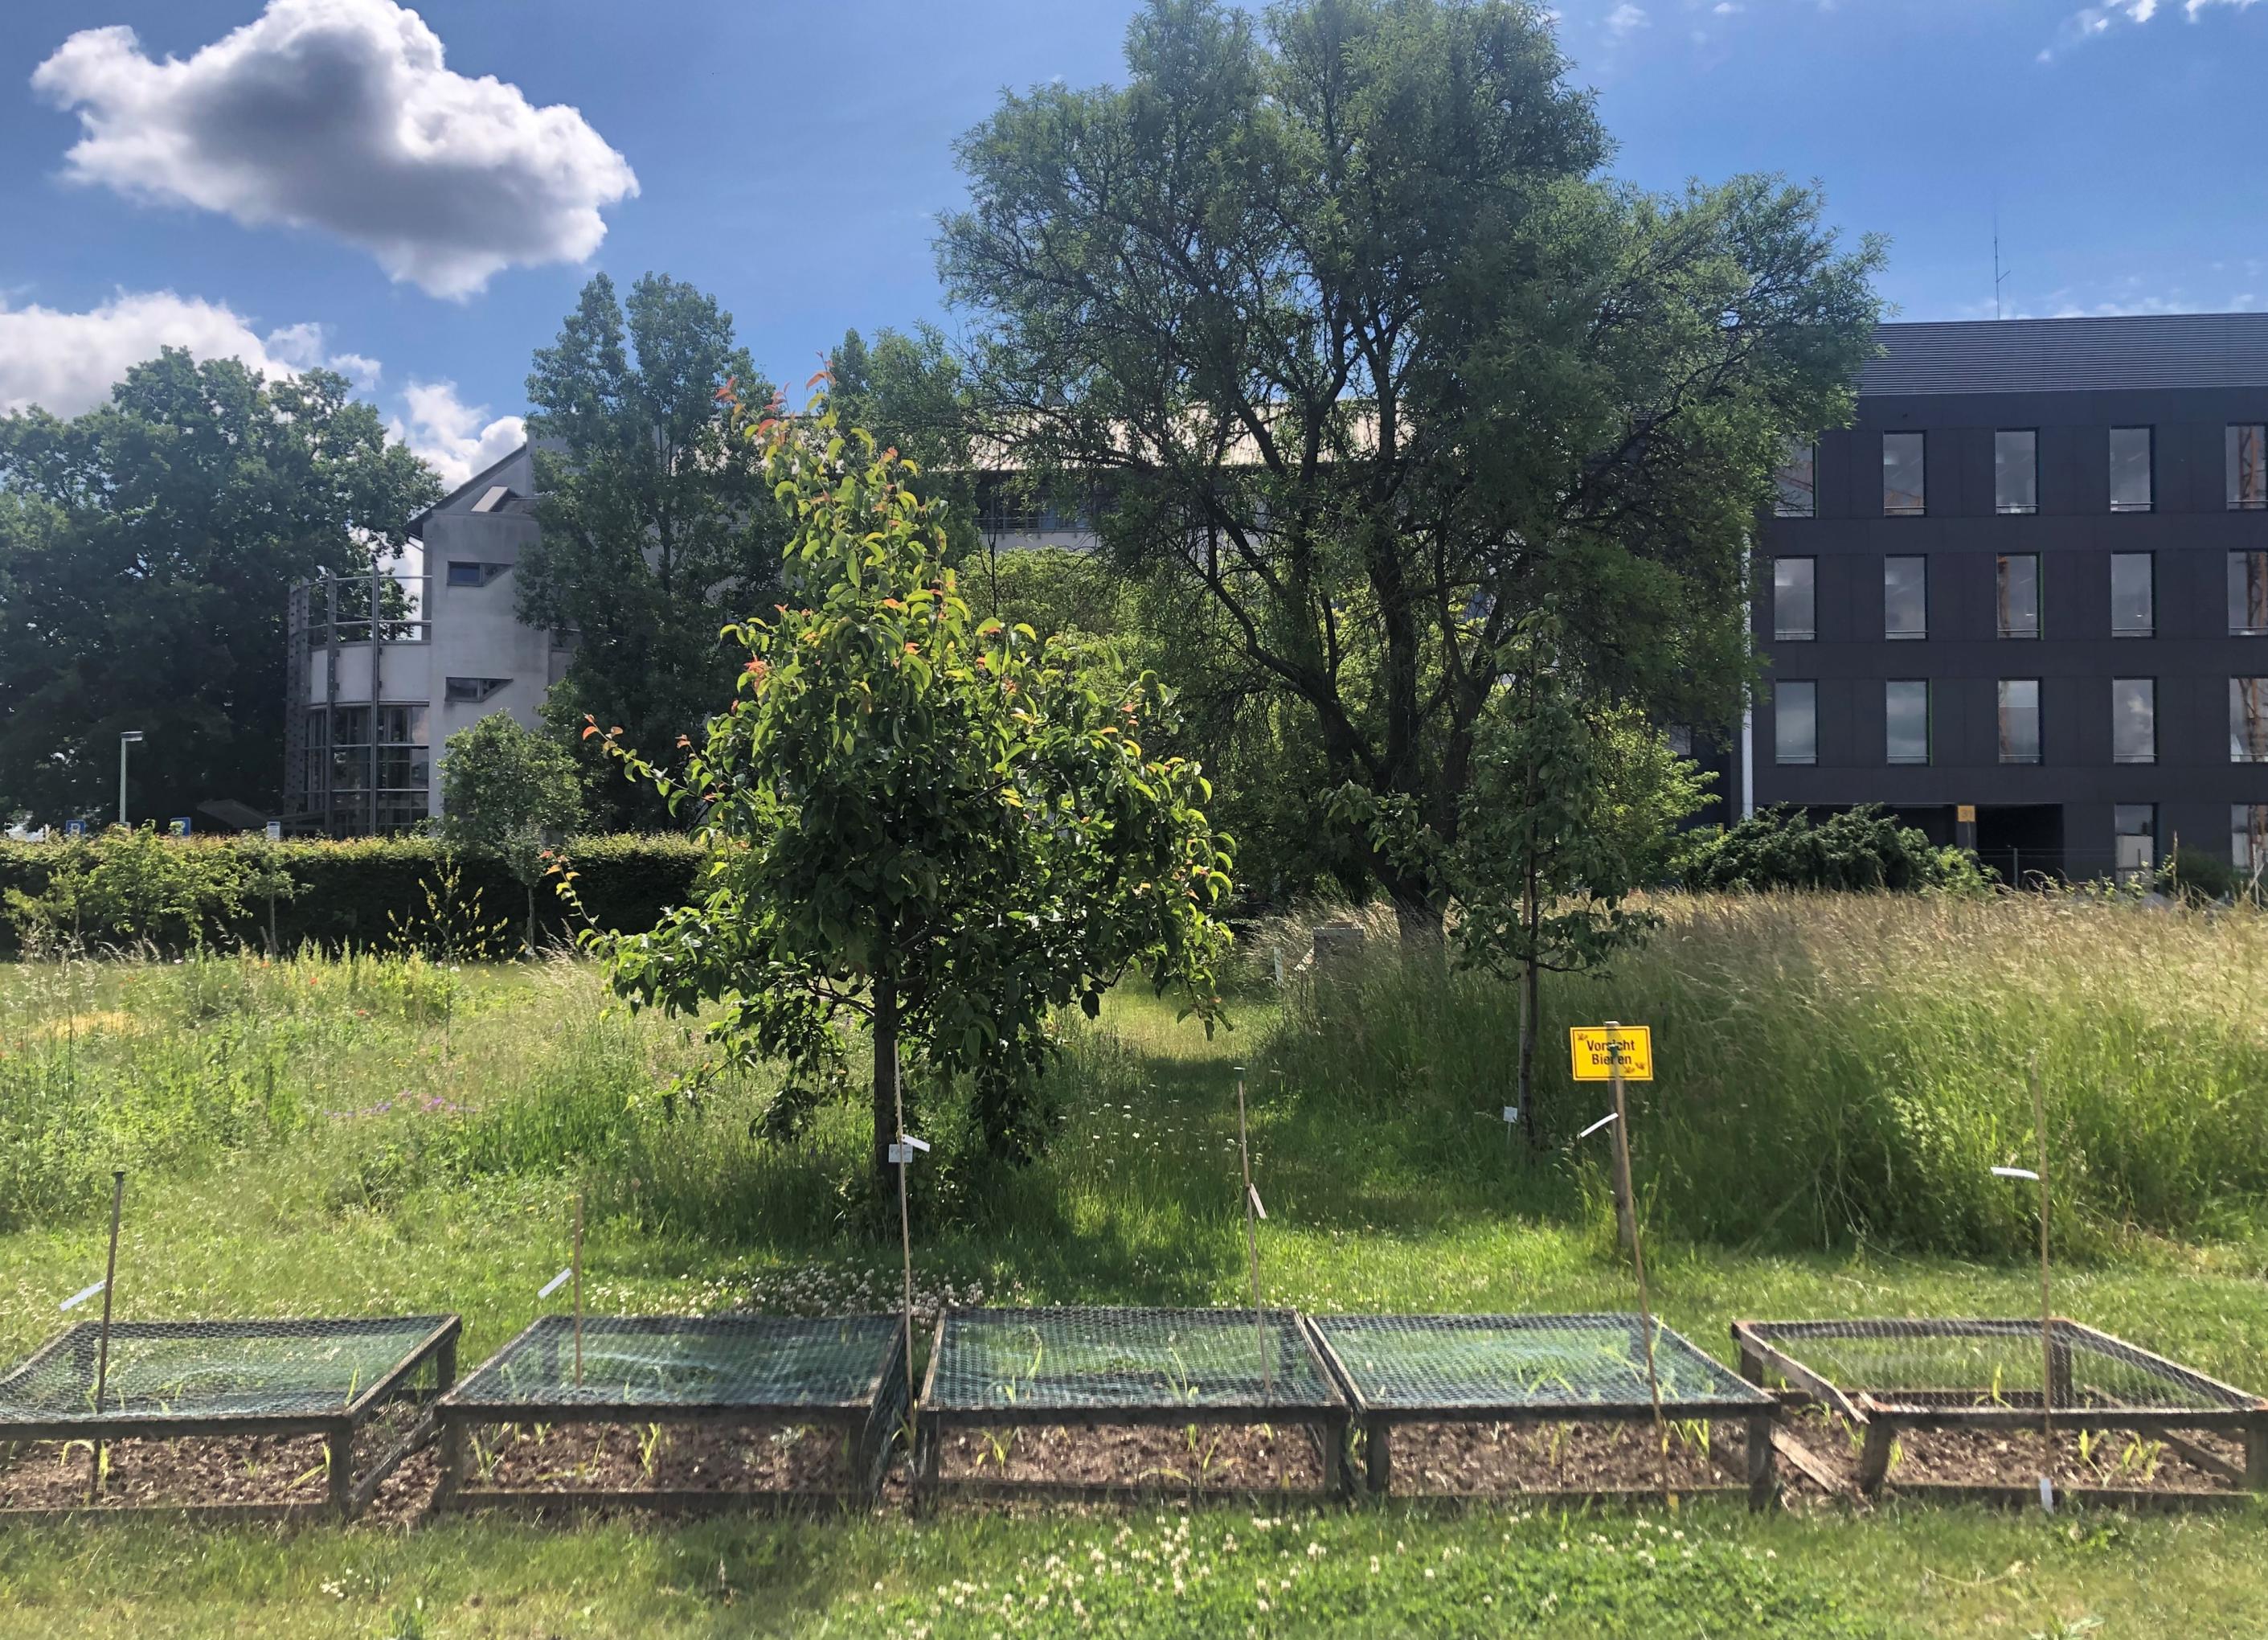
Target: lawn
{"type": "Point", "coordinates": [324, 1136]}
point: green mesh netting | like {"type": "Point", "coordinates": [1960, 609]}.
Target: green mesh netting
{"type": "Point", "coordinates": [740, 1361]}
{"type": "Point", "coordinates": [210, 1369]}
{"type": "Point", "coordinates": [1090, 1359]}
{"type": "Point", "coordinates": [1933, 1364]}
{"type": "Point", "coordinates": [1427, 1363]}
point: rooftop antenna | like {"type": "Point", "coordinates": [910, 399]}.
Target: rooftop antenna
{"type": "Point", "coordinates": [1999, 277]}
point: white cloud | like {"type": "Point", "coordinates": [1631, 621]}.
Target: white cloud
{"type": "Point", "coordinates": [67, 362]}
{"type": "Point", "coordinates": [339, 115]}
{"type": "Point", "coordinates": [1626, 20]}
{"type": "Point", "coordinates": [2094, 21]}
{"type": "Point", "coordinates": [451, 433]}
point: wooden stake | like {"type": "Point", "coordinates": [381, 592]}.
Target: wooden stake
{"type": "Point", "coordinates": [102, 1354]}
{"type": "Point", "coordinates": [1252, 1242]}
{"type": "Point", "coordinates": [2048, 1374]}
{"type": "Point", "coordinates": [905, 1221]}
{"type": "Point", "coordinates": [577, 1266]}
{"type": "Point", "coordinates": [1629, 1194]}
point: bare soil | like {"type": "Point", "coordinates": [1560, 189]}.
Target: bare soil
{"type": "Point", "coordinates": [195, 1470]}
{"type": "Point", "coordinates": [1222, 1458]}
{"type": "Point", "coordinates": [2121, 1459]}
{"type": "Point", "coordinates": [569, 1458]}
{"type": "Point", "coordinates": [1506, 1460]}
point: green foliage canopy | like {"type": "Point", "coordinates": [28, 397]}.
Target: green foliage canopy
{"type": "Point", "coordinates": [502, 788]}
{"type": "Point", "coordinates": [147, 550]}
{"type": "Point", "coordinates": [1370, 359]}
{"type": "Point", "coordinates": [656, 526]}
{"type": "Point", "coordinates": [933, 822]}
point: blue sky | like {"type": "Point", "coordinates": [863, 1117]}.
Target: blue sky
{"type": "Point", "coordinates": [415, 196]}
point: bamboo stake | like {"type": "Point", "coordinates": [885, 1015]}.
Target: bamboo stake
{"type": "Point", "coordinates": [102, 1355]}
{"type": "Point", "coordinates": [1252, 1242]}
{"type": "Point", "coordinates": [578, 1267]}
{"type": "Point", "coordinates": [1638, 1256]}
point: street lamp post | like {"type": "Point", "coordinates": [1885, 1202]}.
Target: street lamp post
{"type": "Point", "coordinates": [126, 738]}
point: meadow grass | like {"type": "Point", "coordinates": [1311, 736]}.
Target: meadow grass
{"type": "Point", "coordinates": [314, 1136]}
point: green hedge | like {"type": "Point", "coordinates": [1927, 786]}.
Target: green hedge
{"type": "Point", "coordinates": [351, 893]}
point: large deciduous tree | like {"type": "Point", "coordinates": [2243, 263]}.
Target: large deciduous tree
{"type": "Point", "coordinates": [147, 550]}
{"type": "Point", "coordinates": [933, 824]}
{"type": "Point", "coordinates": [1372, 359]}
{"type": "Point", "coordinates": [657, 529]}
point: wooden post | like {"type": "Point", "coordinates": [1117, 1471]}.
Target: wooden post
{"type": "Point", "coordinates": [102, 1351]}
{"type": "Point", "coordinates": [2255, 1454]}
{"type": "Point", "coordinates": [578, 1278]}
{"type": "Point", "coordinates": [1874, 1461]}
{"type": "Point", "coordinates": [1762, 1482]}
{"type": "Point", "coordinates": [1378, 1458]}
{"type": "Point", "coordinates": [1627, 1193]}
{"type": "Point", "coordinates": [1252, 1242]}
{"type": "Point", "coordinates": [340, 1464]}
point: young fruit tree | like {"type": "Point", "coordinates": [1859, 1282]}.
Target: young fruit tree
{"type": "Point", "coordinates": [936, 826]}
{"type": "Point", "coordinates": [502, 788]}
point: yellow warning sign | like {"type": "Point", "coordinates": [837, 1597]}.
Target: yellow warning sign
{"type": "Point", "coordinates": [1596, 1048]}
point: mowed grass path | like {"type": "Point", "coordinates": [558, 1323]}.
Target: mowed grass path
{"type": "Point", "coordinates": [457, 1197]}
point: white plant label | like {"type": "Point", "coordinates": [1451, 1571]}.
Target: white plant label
{"type": "Point", "coordinates": [555, 1282]}
{"type": "Point", "coordinates": [1253, 1191]}
{"type": "Point", "coordinates": [2047, 1495]}
{"type": "Point", "coordinates": [918, 1144]}
{"type": "Point", "coordinates": [1511, 1113]}
{"type": "Point", "coordinates": [82, 1296]}
{"type": "Point", "coordinates": [1594, 1126]}
{"type": "Point", "coordinates": [2015, 1172]}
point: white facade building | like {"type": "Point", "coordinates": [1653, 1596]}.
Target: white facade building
{"type": "Point", "coordinates": [374, 702]}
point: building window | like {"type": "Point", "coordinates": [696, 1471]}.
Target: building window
{"type": "Point", "coordinates": [2016, 472]}
{"type": "Point", "coordinates": [1796, 483]}
{"type": "Point", "coordinates": [2129, 469]}
{"type": "Point", "coordinates": [2247, 719]}
{"type": "Point", "coordinates": [2247, 838]}
{"type": "Point", "coordinates": [2247, 595]}
{"type": "Point", "coordinates": [1796, 600]}
{"type": "Point", "coordinates": [1796, 722]}
{"type": "Point", "coordinates": [1906, 597]}
{"type": "Point", "coordinates": [2248, 467]}
{"type": "Point", "coordinates": [2018, 595]}
{"type": "Point", "coordinates": [1905, 490]}
{"type": "Point", "coordinates": [1905, 713]}
{"type": "Point", "coordinates": [1680, 738]}
{"type": "Point", "coordinates": [398, 758]}
{"type": "Point", "coordinates": [472, 691]}
{"type": "Point", "coordinates": [463, 573]}
{"type": "Point", "coordinates": [2134, 596]}
{"type": "Point", "coordinates": [2133, 720]}
{"type": "Point", "coordinates": [2137, 826]}
{"type": "Point", "coordinates": [2020, 720]}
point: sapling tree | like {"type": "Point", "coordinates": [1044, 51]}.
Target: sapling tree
{"type": "Point", "coordinates": [936, 826]}
{"type": "Point", "coordinates": [1572, 800]}
{"type": "Point", "coordinates": [502, 789]}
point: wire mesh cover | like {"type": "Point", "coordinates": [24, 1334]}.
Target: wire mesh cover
{"type": "Point", "coordinates": [210, 1369]}
{"type": "Point", "coordinates": [1091, 1359]}
{"type": "Point", "coordinates": [1424, 1363]}
{"type": "Point", "coordinates": [1937, 1365]}
{"type": "Point", "coordinates": [689, 1361]}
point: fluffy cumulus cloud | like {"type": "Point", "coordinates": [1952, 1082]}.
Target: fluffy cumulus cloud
{"type": "Point", "coordinates": [1626, 20]}
{"type": "Point", "coordinates": [457, 438]}
{"type": "Point", "coordinates": [2094, 21]}
{"type": "Point", "coordinates": [67, 362]}
{"type": "Point", "coordinates": [340, 115]}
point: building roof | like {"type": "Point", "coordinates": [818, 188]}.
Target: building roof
{"type": "Point", "coordinates": [2140, 350]}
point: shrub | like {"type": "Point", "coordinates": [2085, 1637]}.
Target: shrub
{"type": "Point", "coordinates": [1859, 848]}
{"type": "Point", "coordinates": [345, 894]}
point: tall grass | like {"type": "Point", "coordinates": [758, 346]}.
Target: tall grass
{"type": "Point", "coordinates": [1833, 1069]}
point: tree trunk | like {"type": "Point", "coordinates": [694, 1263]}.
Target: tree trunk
{"type": "Point", "coordinates": [528, 945]}
{"type": "Point", "coordinates": [1531, 985]}
{"type": "Point", "coordinates": [886, 1080]}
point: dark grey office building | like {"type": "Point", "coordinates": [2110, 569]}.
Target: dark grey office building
{"type": "Point", "coordinates": [2024, 600]}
